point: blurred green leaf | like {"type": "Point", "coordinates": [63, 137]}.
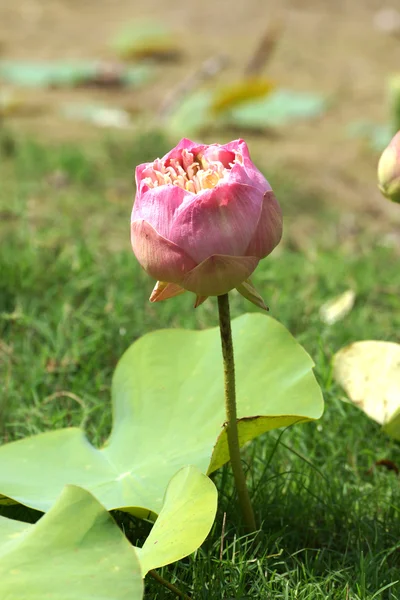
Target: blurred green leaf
{"type": "Point", "coordinates": [191, 114]}
{"type": "Point", "coordinates": [97, 114]}
{"type": "Point", "coordinates": [277, 108]}
{"type": "Point", "coordinates": [75, 552]}
{"type": "Point", "coordinates": [378, 136]}
{"type": "Point", "coordinates": [71, 74]}
{"type": "Point", "coordinates": [146, 39]}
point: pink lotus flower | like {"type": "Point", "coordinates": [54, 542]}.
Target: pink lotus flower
{"type": "Point", "coordinates": [203, 218]}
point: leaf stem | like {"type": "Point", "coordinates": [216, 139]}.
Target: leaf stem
{"type": "Point", "coordinates": [170, 586]}
{"type": "Point", "coordinates": [231, 414]}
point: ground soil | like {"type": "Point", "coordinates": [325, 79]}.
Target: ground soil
{"type": "Point", "coordinates": [328, 46]}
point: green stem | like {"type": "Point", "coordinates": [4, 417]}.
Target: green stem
{"type": "Point", "coordinates": [168, 585]}
{"type": "Point", "coordinates": [231, 414]}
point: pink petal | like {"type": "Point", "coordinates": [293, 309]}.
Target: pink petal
{"type": "Point", "coordinates": [215, 152]}
{"type": "Point", "coordinates": [140, 172]}
{"type": "Point", "coordinates": [219, 221]}
{"type": "Point", "coordinates": [238, 145]}
{"type": "Point", "coordinates": [246, 172]}
{"type": "Point", "coordinates": [158, 206]}
{"type": "Point", "coordinates": [184, 144]}
{"type": "Point", "coordinates": [250, 175]}
{"type": "Point", "coordinates": [164, 291]}
{"type": "Point", "coordinates": [160, 258]}
{"type": "Point", "coordinates": [219, 274]}
{"type": "Point", "coordinates": [269, 229]}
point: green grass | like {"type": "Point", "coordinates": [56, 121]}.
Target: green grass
{"type": "Point", "coordinates": [72, 299]}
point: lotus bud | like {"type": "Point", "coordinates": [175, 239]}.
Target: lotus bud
{"type": "Point", "coordinates": [203, 218]}
{"type": "Point", "coordinates": [389, 170]}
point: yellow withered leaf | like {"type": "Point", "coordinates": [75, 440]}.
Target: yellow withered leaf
{"type": "Point", "coordinates": [9, 104]}
{"type": "Point", "coordinates": [369, 372]}
{"type": "Point", "coordinates": [337, 308]}
{"type": "Point", "coordinates": [234, 94]}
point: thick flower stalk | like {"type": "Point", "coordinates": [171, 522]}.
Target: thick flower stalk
{"type": "Point", "coordinates": [203, 218]}
{"type": "Point", "coordinates": [389, 170]}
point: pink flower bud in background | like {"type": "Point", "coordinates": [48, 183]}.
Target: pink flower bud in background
{"type": "Point", "coordinates": [203, 218]}
{"type": "Point", "coordinates": [389, 170]}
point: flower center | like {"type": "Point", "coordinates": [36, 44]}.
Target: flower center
{"type": "Point", "coordinates": [189, 172]}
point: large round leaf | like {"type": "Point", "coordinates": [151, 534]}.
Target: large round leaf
{"type": "Point", "coordinates": [168, 405]}
{"type": "Point", "coordinates": [75, 552]}
{"type": "Point", "coordinates": [369, 372]}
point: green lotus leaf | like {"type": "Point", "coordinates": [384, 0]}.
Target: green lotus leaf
{"type": "Point", "coordinates": [75, 552]}
{"type": "Point", "coordinates": [185, 519]}
{"type": "Point", "coordinates": [168, 412]}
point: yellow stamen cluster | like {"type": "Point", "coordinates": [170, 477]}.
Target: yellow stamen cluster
{"type": "Point", "coordinates": [190, 173]}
